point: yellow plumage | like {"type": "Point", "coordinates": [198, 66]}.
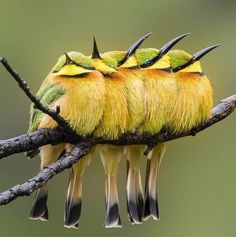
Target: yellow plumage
{"type": "Point", "coordinates": [78, 103]}
{"type": "Point", "coordinates": [160, 92]}
{"type": "Point", "coordinates": [135, 96]}
{"type": "Point", "coordinates": [114, 118]}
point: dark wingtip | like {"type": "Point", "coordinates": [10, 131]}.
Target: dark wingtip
{"type": "Point", "coordinates": [135, 210]}
{"type": "Point", "coordinates": [164, 49]}
{"type": "Point", "coordinates": [39, 210]}
{"type": "Point", "coordinates": [151, 208]}
{"type": "Point", "coordinates": [32, 154]}
{"type": "Point", "coordinates": [147, 213]}
{"type": "Point", "coordinates": [95, 54]}
{"type": "Point", "coordinates": [72, 213]}
{"type": "Point", "coordinates": [112, 219]}
{"type": "Point", "coordinates": [135, 203]}
{"type": "Point", "coordinates": [132, 49]}
{"type": "Point", "coordinates": [197, 56]}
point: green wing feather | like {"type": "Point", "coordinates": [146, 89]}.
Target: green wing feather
{"type": "Point", "coordinates": [47, 94]}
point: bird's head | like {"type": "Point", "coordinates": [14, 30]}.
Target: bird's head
{"type": "Point", "coordinates": [72, 65]}
{"type": "Point", "coordinates": [183, 62]}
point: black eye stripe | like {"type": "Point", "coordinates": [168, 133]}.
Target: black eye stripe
{"type": "Point", "coordinates": [75, 76]}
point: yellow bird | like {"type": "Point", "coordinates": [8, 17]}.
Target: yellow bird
{"type": "Point", "coordinates": [127, 65]}
{"type": "Point", "coordinates": [111, 126]}
{"type": "Point", "coordinates": [79, 91]}
{"type": "Point", "coordinates": [161, 89]}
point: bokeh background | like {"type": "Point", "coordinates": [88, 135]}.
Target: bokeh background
{"type": "Point", "coordinates": [197, 182]}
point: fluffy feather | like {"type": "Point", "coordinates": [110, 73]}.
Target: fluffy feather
{"type": "Point", "coordinates": [194, 102]}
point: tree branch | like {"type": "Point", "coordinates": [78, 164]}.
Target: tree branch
{"type": "Point", "coordinates": [63, 133]}
{"type": "Point", "coordinates": [42, 137]}
{"type": "Point", "coordinates": [66, 161]}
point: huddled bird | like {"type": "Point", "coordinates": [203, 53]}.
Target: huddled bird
{"type": "Point", "coordinates": [79, 90]}
{"type": "Point", "coordinates": [112, 125]}
{"type": "Point", "coordinates": [108, 95]}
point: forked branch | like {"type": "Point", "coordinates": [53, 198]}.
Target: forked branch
{"type": "Point", "coordinates": [27, 142]}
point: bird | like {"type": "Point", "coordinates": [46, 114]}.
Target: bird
{"type": "Point", "coordinates": [127, 65]}
{"type": "Point", "coordinates": [78, 90]}
{"type": "Point", "coordinates": [111, 126]}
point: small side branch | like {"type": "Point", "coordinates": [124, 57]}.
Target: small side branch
{"type": "Point", "coordinates": [23, 85]}
{"type": "Point", "coordinates": [31, 141]}
{"type": "Point", "coordinates": [66, 161]}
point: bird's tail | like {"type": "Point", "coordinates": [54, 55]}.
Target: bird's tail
{"type": "Point", "coordinates": [152, 170]}
{"type": "Point", "coordinates": [112, 216]}
{"type": "Point", "coordinates": [134, 190]}
{"type": "Point", "coordinates": [48, 155]}
{"type": "Point", "coordinates": [111, 156]}
{"type": "Point", "coordinates": [39, 210]}
{"type": "Point", "coordinates": [74, 193]}
{"type": "Point", "coordinates": [73, 201]}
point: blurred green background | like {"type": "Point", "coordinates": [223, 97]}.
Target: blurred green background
{"type": "Point", "coordinates": [197, 181]}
